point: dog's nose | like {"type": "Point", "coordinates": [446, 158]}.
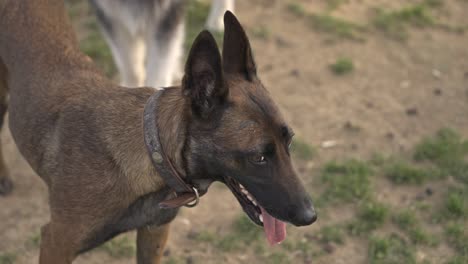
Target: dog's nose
{"type": "Point", "coordinates": [306, 217]}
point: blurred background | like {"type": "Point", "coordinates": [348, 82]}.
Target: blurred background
{"type": "Point", "coordinates": [377, 93]}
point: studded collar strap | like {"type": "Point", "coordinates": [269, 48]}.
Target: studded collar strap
{"type": "Point", "coordinates": [185, 194]}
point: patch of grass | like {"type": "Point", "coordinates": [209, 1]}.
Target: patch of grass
{"type": "Point", "coordinates": [342, 66]}
{"type": "Point", "coordinates": [278, 258]}
{"type": "Point", "coordinates": [456, 205]}
{"type": "Point", "coordinates": [447, 151]}
{"type": "Point", "coordinates": [408, 222]}
{"type": "Point", "coordinates": [173, 260]}
{"type": "Point", "coordinates": [302, 149]}
{"type": "Point", "coordinates": [458, 260]}
{"type": "Point", "coordinates": [395, 22]}
{"type": "Point", "coordinates": [205, 236]}
{"type": "Point", "coordinates": [297, 9]}
{"type": "Point", "coordinates": [120, 247]}
{"type": "Point", "coordinates": [390, 250]}
{"type": "Point", "coordinates": [327, 23]}
{"type": "Point", "coordinates": [244, 233]}
{"type": "Point", "coordinates": [7, 258]}
{"type": "Point", "coordinates": [457, 238]}
{"type": "Point", "coordinates": [335, 26]}
{"type": "Point", "coordinates": [346, 181]}
{"type": "Point", "coordinates": [371, 216]}
{"type": "Point", "coordinates": [261, 32]}
{"type": "Point", "coordinates": [330, 234]}
{"type": "Point", "coordinates": [378, 159]}
{"type": "Point", "coordinates": [35, 240]}
{"type": "Point", "coordinates": [95, 47]}
{"type": "Point", "coordinates": [404, 173]}
{"type": "Point", "coordinates": [334, 4]}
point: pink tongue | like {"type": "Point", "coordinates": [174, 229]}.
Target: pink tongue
{"type": "Point", "coordinates": [275, 230]}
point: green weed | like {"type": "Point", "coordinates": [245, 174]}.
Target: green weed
{"type": "Point", "coordinates": [404, 173]}
{"type": "Point", "coordinates": [342, 66]}
{"type": "Point", "coordinates": [346, 181]}
{"type": "Point", "coordinates": [457, 237]}
{"type": "Point", "coordinates": [330, 234]}
{"type": "Point", "coordinates": [7, 258]}
{"type": "Point", "coordinates": [371, 216]}
{"type": "Point", "coordinates": [302, 149]}
{"type": "Point", "coordinates": [396, 22]}
{"type": "Point", "coordinates": [447, 151]}
{"type": "Point", "coordinates": [408, 222]}
{"type": "Point", "coordinates": [120, 247]}
{"type": "Point", "coordinates": [390, 250]}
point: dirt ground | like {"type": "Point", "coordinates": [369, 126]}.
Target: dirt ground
{"type": "Point", "coordinates": [399, 92]}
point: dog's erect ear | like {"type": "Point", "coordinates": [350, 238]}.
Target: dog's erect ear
{"type": "Point", "coordinates": [237, 54]}
{"type": "Point", "coordinates": [203, 80]}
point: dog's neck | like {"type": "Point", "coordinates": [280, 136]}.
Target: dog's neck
{"type": "Point", "coordinates": [172, 123]}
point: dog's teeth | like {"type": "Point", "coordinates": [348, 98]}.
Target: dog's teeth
{"type": "Point", "coordinates": [253, 201]}
{"type": "Point", "coordinates": [241, 186]}
{"type": "Point", "coordinates": [244, 191]}
{"type": "Point", "coordinates": [261, 218]}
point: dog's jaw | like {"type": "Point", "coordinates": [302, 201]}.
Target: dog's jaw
{"type": "Point", "coordinates": [275, 229]}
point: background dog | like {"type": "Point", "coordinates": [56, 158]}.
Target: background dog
{"type": "Point", "coordinates": [146, 37]}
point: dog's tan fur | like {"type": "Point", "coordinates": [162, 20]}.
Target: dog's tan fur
{"type": "Point", "coordinates": [83, 135]}
{"type": "Point", "coordinates": [77, 130]}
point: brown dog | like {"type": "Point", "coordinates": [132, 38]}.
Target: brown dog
{"type": "Point", "coordinates": [118, 159]}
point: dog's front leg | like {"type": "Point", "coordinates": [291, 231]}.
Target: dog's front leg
{"type": "Point", "coordinates": [58, 244]}
{"type": "Point", "coordinates": [150, 243]}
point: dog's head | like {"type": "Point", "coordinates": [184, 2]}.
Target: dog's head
{"type": "Point", "coordinates": [237, 134]}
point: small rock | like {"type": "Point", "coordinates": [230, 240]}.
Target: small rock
{"type": "Point", "coordinates": [192, 234]}
{"type": "Point", "coordinates": [354, 146]}
{"type": "Point", "coordinates": [329, 144]}
{"type": "Point", "coordinates": [329, 248]}
{"type": "Point", "coordinates": [390, 135]}
{"type": "Point", "coordinates": [267, 68]}
{"type": "Point", "coordinates": [185, 221]}
{"type": "Point", "coordinates": [369, 105]}
{"type": "Point", "coordinates": [167, 252]}
{"type": "Point", "coordinates": [190, 260]}
{"type": "Point", "coordinates": [351, 127]}
{"type": "Point", "coordinates": [405, 84]}
{"type": "Point", "coordinates": [282, 42]}
{"type": "Point", "coordinates": [295, 73]}
{"type": "Point", "coordinates": [437, 91]}
{"type": "Point", "coordinates": [412, 111]}
{"type": "Point", "coordinates": [429, 191]}
{"type": "Point", "coordinates": [436, 73]}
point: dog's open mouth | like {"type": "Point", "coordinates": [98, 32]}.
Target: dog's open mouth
{"type": "Point", "coordinates": [275, 229]}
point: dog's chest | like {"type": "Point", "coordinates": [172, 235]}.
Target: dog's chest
{"type": "Point", "coordinates": [144, 211]}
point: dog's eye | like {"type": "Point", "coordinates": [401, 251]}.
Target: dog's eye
{"type": "Point", "coordinates": [258, 159]}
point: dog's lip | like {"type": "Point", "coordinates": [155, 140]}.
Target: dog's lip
{"type": "Point", "coordinates": [252, 210]}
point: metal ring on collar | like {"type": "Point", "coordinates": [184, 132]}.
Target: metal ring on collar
{"type": "Point", "coordinates": [194, 203]}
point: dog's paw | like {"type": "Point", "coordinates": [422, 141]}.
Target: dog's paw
{"type": "Point", "coordinates": [6, 186]}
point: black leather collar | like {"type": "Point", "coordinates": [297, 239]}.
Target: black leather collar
{"type": "Point", "coordinates": [186, 194]}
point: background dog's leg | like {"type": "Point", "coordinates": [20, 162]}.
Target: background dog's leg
{"type": "Point", "coordinates": [129, 54]}
{"type": "Point", "coordinates": [59, 244]}
{"type": "Point", "coordinates": [215, 19]}
{"type": "Point", "coordinates": [126, 44]}
{"type": "Point", "coordinates": [165, 48]}
{"type": "Point", "coordinates": [5, 183]}
{"type": "Point", "coordinates": [150, 243]}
